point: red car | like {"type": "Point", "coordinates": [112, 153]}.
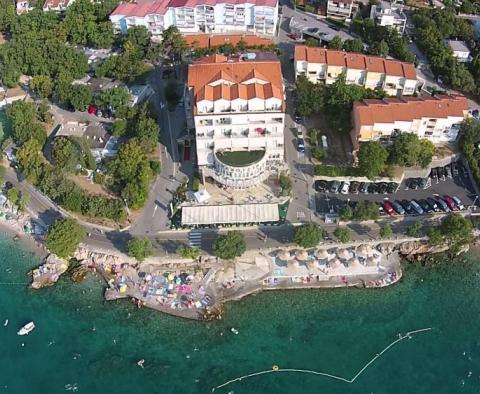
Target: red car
{"type": "Point", "coordinates": [388, 208]}
{"type": "Point", "coordinates": [92, 109]}
{"type": "Point", "coordinates": [450, 202]}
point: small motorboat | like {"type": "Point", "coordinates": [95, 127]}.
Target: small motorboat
{"type": "Point", "coordinates": [26, 329]}
{"type": "Point", "coordinates": [235, 331]}
{"type": "Point", "coordinates": [6, 323]}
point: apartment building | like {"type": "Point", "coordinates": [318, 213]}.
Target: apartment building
{"type": "Point", "coordinates": [199, 16]}
{"type": "Point", "coordinates": [325, 65]}
{"type": "Point", "coordinates": [238, 108]}
{"type": "Point", "coordinates": [57, 5]}
{"type": "Point", "coordinates": [339, 9]}
{"type": "Point", "coordinates": [435, 118]}
{"type": "Point", "coordinates": [390, 15]}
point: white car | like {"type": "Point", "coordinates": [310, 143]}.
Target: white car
{"type": "Point", "coordinates": [345, 187]}
{"type": "Point", "coordinates": [458, 203]}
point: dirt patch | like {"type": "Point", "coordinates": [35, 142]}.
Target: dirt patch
{"type": "Point", "coordinates": [88, 186]}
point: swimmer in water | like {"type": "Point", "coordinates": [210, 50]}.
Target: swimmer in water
{"type": "Point", "coordinates": [141, 362]}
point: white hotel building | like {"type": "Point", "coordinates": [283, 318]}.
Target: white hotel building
{"type": "Point", "coordinates": [435, 118]}
{"type": "Point", "coordinates": [199, 16]}
{"type": "Point", "coordinates": [239, 112]}
{"type": "Point", "coordinates": [326, 65]}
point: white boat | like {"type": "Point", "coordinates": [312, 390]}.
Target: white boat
{"type": "Point", "coordinates": [6, 323]}
{"type": "Point", "coordinates": [26, 329]}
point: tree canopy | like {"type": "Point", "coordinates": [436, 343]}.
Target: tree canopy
{"type": "Point", "coordinates": [408, 150]}
{"type": "Point", "coordinates": [372, 158]}
{"type": "Point", "coordinates": [470, 146]}
{"type": "Point", "coordinates": [457, 229]}
{"type": "Point", "coordinates": [140, 248]}
{"type": "Point", "coordinates": [64, 236]}
{"type": "Point", "coordinates": [230, 245]}
{"type": "Point", "coordinates": [343, 234]}
{"type": "Point", "coordinates": [25, 125]}
{"type": "Point", "coordinates": [307, 235]}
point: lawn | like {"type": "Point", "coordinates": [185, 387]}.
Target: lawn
{"type": "Point", "coordinates": [240, 158]}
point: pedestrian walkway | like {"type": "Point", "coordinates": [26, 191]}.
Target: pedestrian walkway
{"type": "Point", "coordinates": [195, 238]}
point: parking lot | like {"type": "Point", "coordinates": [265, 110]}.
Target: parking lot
{"type": "Point", "coordinates": [459, 186]}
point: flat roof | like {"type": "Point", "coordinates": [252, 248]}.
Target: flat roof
{"type": "Point", "coordinates": [222, 214]}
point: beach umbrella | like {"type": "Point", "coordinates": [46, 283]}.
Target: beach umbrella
{"type": "Point", "coordinates": [301, 255]}
{"type": "Point", "coordinates": [334, 263]}
{"type": "Point", "coordinates": [322, 254]}
{"type": "Point", "coordinates": [364, 250]}
{"type": "Point", "coordinates": [311, 265]}
{"type": "Point", "coordinates": [354, 264]}
{"type": "Point", "coordinates": [344, 254]}
{"type": "Point", "coordinates": [284, 255]}
{"type": "Point", "coordinates": [372, 262]}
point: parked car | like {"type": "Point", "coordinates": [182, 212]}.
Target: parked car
{"type": "Point", "coordinates": [398, 207]}
{"type": "Point", "coordinates": [298, 118]}
{"type": "Point", "coordinates": [354, 187]}
{"type": "Point", "coordinates": [416, 206]}
{"type": "Point", "coordinates": [422, 183]}
{"type": "Point", "coordinates": [442, 204]}
{"type": "Point", "coordinates": [450, 202]}
{"type": "Point", "coordinates": [382, 188]}
{"type": "Point", "coordinates": [392, 187]}
{"type": "Point", "coordinates": [433, 204]}
{"type": "Point", "coordinates": [334, 186]}
{"type": "Point", "coordinates": [425, 206]}
{"type": "Point", "coordinates": [441, 173]}
{"type": "Point", "coordinates": [434, 173]}
{"type": "Point", "coordinates": [458, 203]}
{"type": "Point", "coordinates": [388, 208]}
{"type": "Point", "coordinates": [408, 207]}
{"type": "Point", "coordinates": [92, 109]}
{"type": "Point", "coordinates": [373, 188]}
{"type": "Point", "coordinates": [455, 169]}
{"type": "Point", "coordinates": [300, 145]}
{"type": "Point", "coordinates": [345, 187]}
{"type": "Point", "coordinates": [320, 186]}
{"type": "Point", "coordinates": [448, 171]}
{"type": "Point", "coordinates": [413, 184]}
{"type": "Point", "coordinates": [364, 187]}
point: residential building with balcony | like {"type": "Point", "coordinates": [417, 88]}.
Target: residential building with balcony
{"type": "Point", "coordinates": [238, 109]}
{"type": "Point", "coordinates": [199, 16]}
{"type": "Point", "coordinates": [435, 118]}
{"type": "Point", "coordinates": [390, 15]}
{"type": "Point", "coordinates": [324, 65]}
{"type": "Point", "coordinates": [339, 9]}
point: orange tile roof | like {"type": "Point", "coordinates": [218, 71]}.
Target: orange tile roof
{"type": "Point", "coordinates": [210, 69]}
{"type": "Point", "coordinates": [389, 110]}
{"type": "Point", "coordinates": [211, 41]}
{"type": "Point", "coordinates": [356, 61]}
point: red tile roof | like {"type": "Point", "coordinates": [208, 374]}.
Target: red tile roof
{"type": "Point", "coordinates": [211, 41]}
{"type": "Point", "coordinates": [55, 3]}
{"type": "Point", "coordinates": [356, 61]}
{"type": "Point", "coordinates": [206, 71]}
{"type": "Point", "coordinates": [389, 110]}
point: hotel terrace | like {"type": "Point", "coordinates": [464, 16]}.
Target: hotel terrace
{"type": "Point", "coordinates": [435, 118]}
{"type": "Point", "coordinates": [238, 109]}
{"type": "Point", "coordinates": [199, 16]}
{"type": "Point", "coordinates": [325, 65]}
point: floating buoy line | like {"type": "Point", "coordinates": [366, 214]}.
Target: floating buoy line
{"type": "Point", "coordinates": [276, 368]}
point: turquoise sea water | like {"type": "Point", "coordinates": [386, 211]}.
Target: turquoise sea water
{"type": "Point", "coordinates": [92, 345]}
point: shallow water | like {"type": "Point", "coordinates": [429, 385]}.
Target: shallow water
{"type": "Point", "coordinates": [85, 344]}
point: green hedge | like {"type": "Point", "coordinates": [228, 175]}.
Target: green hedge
{"type": "Point", "coordinates": [335, 171]}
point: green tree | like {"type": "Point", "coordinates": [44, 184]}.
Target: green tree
{"type": "Point", "coordinates": [366, 210]}
{"type": "Point", "coordinates": [140, 248]}
{"type": "Point", "coordinates": [285, 183]}
{"type": "Point", "coordinates": [355, 45]}
{"type": "Point", "coordinates": [117, 98]}
{"type": "Point", "coordinates": [307, 235]}
{"type": "Point", "coordinates": [80, 96]}
{"type": "Point", "coordinates": [379, 48]}
{"type": "Point", "coordinates": [23, 201]}
{"type": "Point", "coordinates": [64, 154]}
{"type": "Point", "coordinates": [457, 229]}
{"type": "Point", "coordinates": [435, 236]}
{"type": "Point", "coordinates": [425, 153]}
{"type": "Point", "coordinates": [415, 230]}
{"type": "Point", "coordinates": [13, 195]}
{"type": "Point", "coordinates": [312, 42]}
{"type": "Point", "coordinates": [188, 252]}
{"type": "Point", "coordinates": [30, 160]}
{"type": "Point", "coordinates": [7, 15]}
{"type": "Point", "coordinates": [408, 150]}
{"type": "Point", "coordinates": [342, 234]}
{"type": "Point", "coordinates": [42, 86]}
{"type": "Point", "coordinates": [23, 118]}
{"type": "Point", "coordinates": [173, 44]}
{"type": "Point", "coordinates": [386, 231]}
{"type": "Point", "coordinates": [336, 43]}
{"type": "Point", "coordinates": [64, 236]}
{"type": "Point", "coordinates": [120, 127]}
{"type": "Point", "coordinates": [372, 158]}
{"type": "Point", "coordinates": [230, 245]}
{"type": "Point", "coordinates": [346, 213]}
{"type": "Point", "coordinates": [147, 132]}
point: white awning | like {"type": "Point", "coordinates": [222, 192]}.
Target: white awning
{"type": "Point", "coordinates": [218, 214]}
